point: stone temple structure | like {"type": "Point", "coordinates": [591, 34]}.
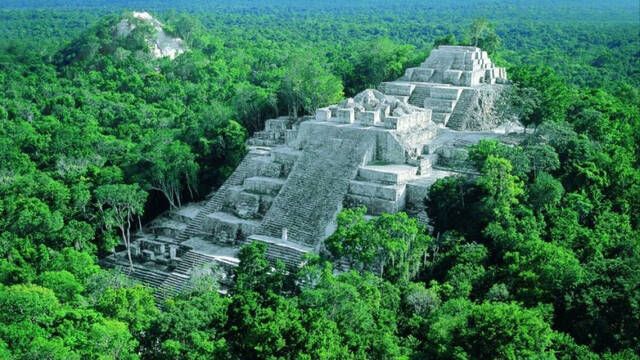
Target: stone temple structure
{"type": "Point", "coordinates": [380, 149]}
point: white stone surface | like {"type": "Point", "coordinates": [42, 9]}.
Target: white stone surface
{"type": "Point", "coordinates": [161, 44]}
{"type": "Point", "coordinates": [346, 116]}
{"type": "Point", "coordinates": [323, 114]}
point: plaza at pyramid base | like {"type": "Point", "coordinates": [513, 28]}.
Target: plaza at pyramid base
{"type": "Point", "coordinates": [381, 149]}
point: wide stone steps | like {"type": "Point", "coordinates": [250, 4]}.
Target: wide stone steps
{"type": "Point", "coordinates": [446, 92]}
{"type": "Point", "coordinates": [314, 190]}
{"type": "Point", "coordinates": [149, 277]}
{"type": "Point", "coordinates": [172, 286]}
{"type": "Point", "coordinates": [457, 120]}
{"type": "Point", "coordinates": [192, 259]}
{"type": "Point", "coordinates": [290, 253]}
{"type": "Point", "coordinates": [420, 93]}
{"type": "Point", "coordinates": [440, 105]}
{"type": "Point", "coordinates": [300, 230]}
{"type": "Point", "coordinates": [442, 101]}
{"type": "Point", "coordinates": [422, 74]}
{"type": "Point", "coordinates": [179, 278]}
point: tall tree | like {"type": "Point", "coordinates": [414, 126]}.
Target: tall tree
{"type": "Point", "coordinates": [482, 33]}
{"type": "Point", "coordinates": [119, 205]}
{"type": "Point", "coordinates": [168, 166]}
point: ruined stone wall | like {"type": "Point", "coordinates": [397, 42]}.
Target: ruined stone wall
{"type": "Point", "coordinates": [479, 108]}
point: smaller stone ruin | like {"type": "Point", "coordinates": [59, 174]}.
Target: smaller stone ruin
{"type": "Point", "coordinates": [458, 66]}
{"type": "Point", "coordinates": [161, 44]}
{"type": "Point", "coordinates": [459, 84]}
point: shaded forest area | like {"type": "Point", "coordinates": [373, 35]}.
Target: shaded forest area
{"type": "Point", "coordinates": [538, 257]}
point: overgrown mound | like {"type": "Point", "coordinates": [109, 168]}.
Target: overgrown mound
{"type": "Point", "coordinates": [136, 35]}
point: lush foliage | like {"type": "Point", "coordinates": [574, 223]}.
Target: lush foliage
{"type": "Point", "coordinates": [536, 257]}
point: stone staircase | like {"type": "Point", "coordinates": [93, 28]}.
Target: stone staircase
{"type": "Point", "coordinates": [442, 101]}
{"type": "Point", "coordinates": [441, 98]}
{"type": "Point", "coordinates": [150, 277]}
{"type": "Point", "coordinates": [290, 253]}
{"type": "Point", "coordinates": [314, 191]}
{"type": "Point", "coordinates": [299, 174]}
{"type": "Point", "coordinates": [245, 205]}
{"type": "Point", "coordinates": [419, 94]}
{"type": "Point", "coordinates": [171, 286]}
{"type": "Point", "coordinates": [457, 120]}
{"type": "Point", "coordinates": [177, 281]}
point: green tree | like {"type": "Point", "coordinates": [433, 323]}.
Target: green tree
{"type": "Point", "coordinates": [392, 245]}
{"type": "Point", "coordinates": [482, 34]}
{"type": "Point", "coordinates": [63, 283]}
{"type": "Point", "coordinates": [490, 330]}
{"type": "Point", "coordinates": [133, 305]}
{"type": "Point", "coordinates": [111, 339]}
{"type": "Point", "coordinates": [191, 327]}
{"type": "Point", "coordinates": [503, 189]}
{"type": "Point", "coordinates": [307, 85]}
{"type": "Point", "coordinates": [118, 206]}
{"type": "Point", "coordinates": [168, 166]}
{"type": "Point", "coordinates": [363, 307]}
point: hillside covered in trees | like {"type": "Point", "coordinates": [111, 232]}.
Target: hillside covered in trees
{"type": "Point", "coordinates": [537, 256]}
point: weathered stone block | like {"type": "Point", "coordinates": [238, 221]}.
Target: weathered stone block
{"type": "Point", "coordinates": [439, 105]}
{"type": "Point", "coordinates": [248, 205]}
{"type": "Point", "coordinates": [398, 88]}
{"type": "Point", "coordinates": [135, 251]}
{"type": "Point", "coordinates": [406, 122]}
{"type": "Point", "coordinates": [276, 125]}
{"type": "Point", "coordinates": [223, 227]}
{"type": "Point", "coordinates": [323, 114]}
{"type": "Point", "coordinates": [290, 136]}
{"type": "Point", "coordinates": [445, 92]}
{"type": "Point", "coordinates": [269, 169]}
{"type": "Point", "coordinates": [387, 174]}
{"type": "Point", "coordinates": [265, 204]}
{"type": "Point", "coordinates": [387, 192]}
{"type": "Point", "coordinates": [148, 255]}
{"type": "Point", "coordinates": [156, 247]}
{"type": "Point", "coordinates": [346, 116]}
{"type": "Point", "coordinates": [422, 74]}
{"type": "Point", "coordinates": [369, 118]}
{"type": "Point", "coordinates": [263, 185]}
{"type": "Point", "coordinates": [375, 206]}
{"type": "Point", "coordinates": [453, 77]}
